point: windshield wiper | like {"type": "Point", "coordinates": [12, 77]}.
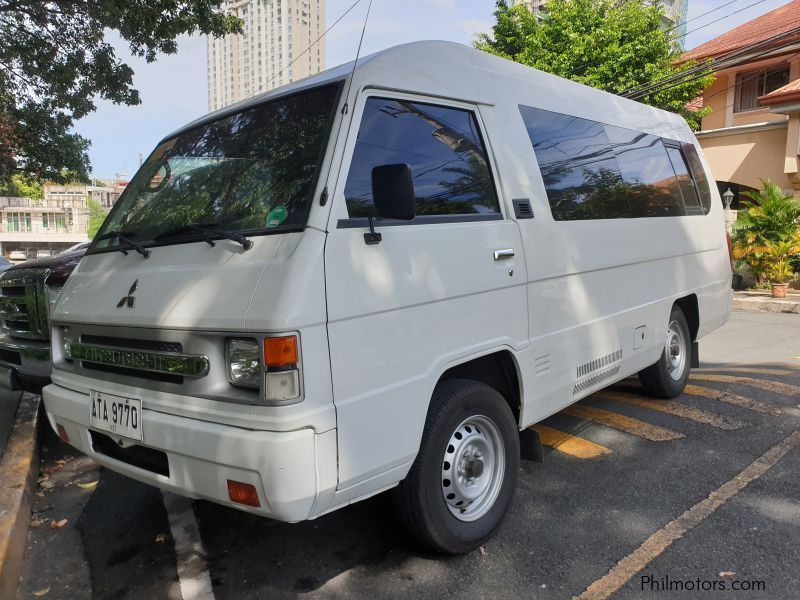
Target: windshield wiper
{"type": "Point", "coordinates": [209, 230]}
{"type": "Point", "coordinates": [123, 238]}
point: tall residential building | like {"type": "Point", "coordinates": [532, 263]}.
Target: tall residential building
{"type": "Point", "coordinates": [674, 17]}
{"type": "Point", "coordinates": [269, 52]}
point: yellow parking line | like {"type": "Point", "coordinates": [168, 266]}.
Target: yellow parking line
{"type": "Point", "coordinates": [722, 396]}
{"type": "Point", "coordinates": [569, 444]}
{"type": "Point", "coordinates": [636, 427]}
{"type": "Point", "coordinates": [770, 386]}
{"type": "Point", "coordinates": [746, 369]}
{"type": "Point", "coordinates": [654, 546]}
{"type": "Point", "coordinates": [674, 408]}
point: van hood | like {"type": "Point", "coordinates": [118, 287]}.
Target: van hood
{"type": "Point", "coordinates": [191, 286]}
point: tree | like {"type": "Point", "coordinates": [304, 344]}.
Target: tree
{"type": "Point", "coordinates": [97, 214]}
{"type": "Point", "coordinates": [23, 185]}
{"type": "Point", "coordinates": [606, 44]}
{"type": "Point", "coordinates": [55, 61]}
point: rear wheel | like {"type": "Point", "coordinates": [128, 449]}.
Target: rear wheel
{"type": "Point", "coordinates": [463, 478]}
{"type": "Point", "coordinates": [667, 377]}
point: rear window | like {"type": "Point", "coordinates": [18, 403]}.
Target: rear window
{"type": "Point", "coordinates": [592, 170]}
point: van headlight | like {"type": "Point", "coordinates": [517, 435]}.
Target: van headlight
{"type": "Point", "coordinates": [66, 343]}
{"type": "Point", "coordinates": [243, 358]}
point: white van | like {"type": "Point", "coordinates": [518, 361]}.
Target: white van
{"type": "Point", "coordinates": [376, 279]}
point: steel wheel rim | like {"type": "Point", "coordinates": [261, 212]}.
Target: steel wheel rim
{"type": "Point", "coordinates": [473, 467]}
{"type": "Point", "coordinates": [675, 351]}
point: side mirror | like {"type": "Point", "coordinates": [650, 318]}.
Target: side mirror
{"type": "Point", "coordinates": [392, 195]}
{"type": "Point", "coordinates": [393, 192]}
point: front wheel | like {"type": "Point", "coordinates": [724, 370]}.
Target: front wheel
{"type": "Point", "coordinates": [667, 377]}
{"type": "Point", "coordinates": [461, 483]}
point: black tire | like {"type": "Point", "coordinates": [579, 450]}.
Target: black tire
{"type": "Point", "coordinates": [660, 379]}
{"type": "Point", "coordinates": [420, 498]}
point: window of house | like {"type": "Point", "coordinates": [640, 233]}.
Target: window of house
{"type": "Point", "coordinates": [19, 221]}
{"type": "Point", "coordinates": [53, 220]}
{"type": "Point", "coordinates": [442, 146]}
{"type": "Point", "coordinates": [751, 85]}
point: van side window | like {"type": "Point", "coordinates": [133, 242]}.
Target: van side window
{"type": "Point", "coordinates": [685, 182]}
{"type": "Point", "coordinates": [699, 175]}
{"type": "Point", "coordinates": [442, 146]}
{"type": "Point", "coordinates": [647, 174]}
{"type": "Point", "coordinates": [596, 171]}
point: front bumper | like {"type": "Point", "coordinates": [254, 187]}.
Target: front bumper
{"type": "Point", "coordinates": [24, 364]}
{"type": "Point", "coordinates": [288, 469]}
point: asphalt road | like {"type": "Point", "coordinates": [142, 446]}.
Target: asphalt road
{"type": "Point", "coordinates": [716, 502]}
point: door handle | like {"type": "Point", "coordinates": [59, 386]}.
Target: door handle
{"type": "Point", "coordinates": [503, 254]}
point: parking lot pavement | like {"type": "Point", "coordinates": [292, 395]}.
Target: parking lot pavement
{"type": "Point", "coordinates": [635, 496]}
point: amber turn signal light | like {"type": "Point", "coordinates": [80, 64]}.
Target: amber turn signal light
{"type": "Point", "coordinates": [62, 433]}
{"type": "Point", "coordinates": [243, 493]}
{"type": "Point", "coordinates": [280, 351]}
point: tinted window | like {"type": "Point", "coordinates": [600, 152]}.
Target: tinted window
{"type": "Point", "coordinates": [596, 171]}
{"type": "Point", "coordinates": [650, 181]}
{"type": "Point", "coordinates": [699, 174]}
{"type": "Point", "coordinates": [250, 171]}
{"type": "Point", "coordinates": [685, 182]}
{"type": "Point", "coordinates": [580, 171]}
{"type": "Point", "coordinates": [441, 145]}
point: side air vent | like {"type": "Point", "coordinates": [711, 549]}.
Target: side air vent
{"type": "Point", "coordinates": [523, 208]}
{"type": "Point", "coordinates": [599, 363]}
{"type": "Point", "coordinates": [595, 379]}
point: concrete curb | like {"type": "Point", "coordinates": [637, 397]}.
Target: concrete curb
{"type": "Point", "coordinates": [19, 467]}
{"type": "Point", "coordinates": [765, 304]}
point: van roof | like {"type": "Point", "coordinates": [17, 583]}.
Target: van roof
{"type": "Point", "coordinates": [455, 71]}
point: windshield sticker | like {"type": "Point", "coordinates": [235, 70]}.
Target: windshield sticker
{"type": "Point", "coordinates": [277, 216]}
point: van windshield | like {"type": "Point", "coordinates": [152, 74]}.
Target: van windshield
{"type": "Point", "coordinates": [251, 173]}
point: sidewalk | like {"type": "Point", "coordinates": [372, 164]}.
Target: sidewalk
{"type": "Point", "coordinates": [760, 300]}
{"type": "Point", "coordinates": [19, 468]}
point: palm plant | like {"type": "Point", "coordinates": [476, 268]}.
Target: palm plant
{"type": "Point", "coordinates": [770, 217]}
{"type": "Point", "coordinates": [779, 255]}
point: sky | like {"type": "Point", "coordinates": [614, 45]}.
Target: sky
{"type": "Point", "coordinates": [173, 89]}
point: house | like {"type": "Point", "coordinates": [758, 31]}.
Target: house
{"type": "Point", "coordinates": [753, 130]}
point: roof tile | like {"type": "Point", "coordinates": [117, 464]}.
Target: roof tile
{"type": "Point", "coordinates": [779, 21]}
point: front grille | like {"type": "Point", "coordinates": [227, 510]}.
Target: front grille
{"type": "Point", "coordinates": [132, 344]}
{"type": "Point", "coordinates": [141, 457]}
{"type": "Point", "coordinates": [13, 290]}
{"type": "Point", "coordinates": [163, 377]}
{"type": "Point", "coordinates": [23, 304]}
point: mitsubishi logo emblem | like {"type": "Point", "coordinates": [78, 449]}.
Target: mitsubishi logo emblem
{"type": "Point", "coordinates": [129, 299]}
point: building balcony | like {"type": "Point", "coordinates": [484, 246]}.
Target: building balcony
{"type": "Point", "coordinates": [15, 202]}
{"type": "Point", "coordinates": [13, 233]}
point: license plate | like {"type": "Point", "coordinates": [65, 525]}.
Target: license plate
{"type": "Point", "coordinates": [116, 414]}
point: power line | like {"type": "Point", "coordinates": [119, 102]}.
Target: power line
{"type": "Point", "coordinates": [708, 12]}
{"type": "Point", "coordinates": [699, 71]}
{"type": "Point", "coordinates": [726, 16]}
{"type": "Point", "coordinates": [746, 79]}
{"type": "Point", "coordinates": [724, 59]}
{"type": "Point", "coordinates": [315, 42]}
{"type": "Point", "coordinates": [700, 76]}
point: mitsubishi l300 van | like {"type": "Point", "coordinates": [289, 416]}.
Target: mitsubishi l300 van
{"type": "Point", "coordinates": [376, 277]}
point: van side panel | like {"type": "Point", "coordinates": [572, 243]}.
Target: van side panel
{"type": "Point", "coordinates": [594, 284]}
